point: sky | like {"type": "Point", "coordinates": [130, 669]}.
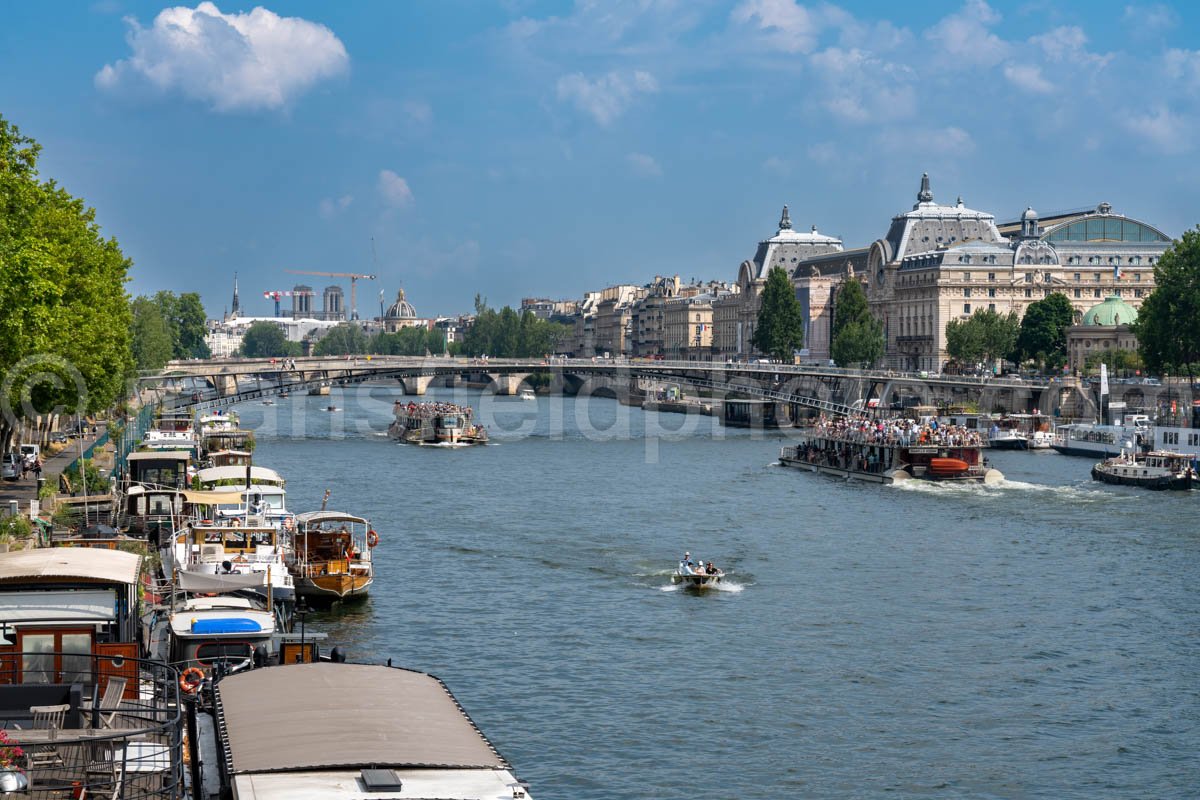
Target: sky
{"type": "Point", "coordinates": [521, 148]}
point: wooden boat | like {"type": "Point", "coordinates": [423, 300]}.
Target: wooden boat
{"type": "Point", "coordinates": [331, 556]}
{"type": "Point", "coordinates": [1157, 470]}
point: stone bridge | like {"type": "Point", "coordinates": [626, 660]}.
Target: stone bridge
{"type": "Point", "coordinates": [835, 390]}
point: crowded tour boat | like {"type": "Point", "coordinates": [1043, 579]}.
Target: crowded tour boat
{"type": "Point", "coordinates": [890, 451]}
{"type": "Point", "coordinates": [1154, 470]}
{"type": "Point", "coordinates": [693, 573]}
{"type": "Point", "coordinates": [436, 423]}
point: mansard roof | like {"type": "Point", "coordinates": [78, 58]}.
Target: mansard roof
{"type": "Point", "coordinates": [930, 225]}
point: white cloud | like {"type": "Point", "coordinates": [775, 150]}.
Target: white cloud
{"type": "Point", "coordinates": [394, 189]}
{"type": "Point", "coordinates": [330, 207]}
{"type": "Point", "coordinates": [1068, 44]}
{"type": "Point", "coordinates": [940, 142]}
{"type": "Point", "coordinates": [232, 62]}
{"type": "Point", "coordinates": [965, 38]}
{"type": "Point", "coordinates": [1164, 130]}
{"type": "Point", "coordinates": [608, 96]}
{"type": "Point", "coordinates": [785, 24]}
{"type": "Point", "coordinates": [861, 88]}
{"type": "Point", "coordinates": [644, 165]}
{"type": "Point", "coordinates": [1145, 22]}
{"type": "Point", "coordinates": [1183, 66]}
{"type": "Point", "coordinates": [1028, 77]}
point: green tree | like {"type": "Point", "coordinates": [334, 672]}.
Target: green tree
{"type": "Point", "coordinates": [342, 340]}
{"type": "Point", "coordinates": [984, 336]}
{"type": "Point", "coordinates": [1043, 334]}
{"type": "Point", "coordinates": [64, 315]}
{"type": "Point", "coordinates": [150, 335]}
{"type": "Point", "coordinates": [857, 336]}
{"type": "Point", "coordinates": [1168, 338]}
{"type": "Point", "coordinates": [1119, 360]}
{"type": "Point", "coordinates": [780, 329]}
{"type": "Point", "coordinates": [264, 339]}
{"type": "Point", "coordinates": [192, 326]}
{"type": "Point", "coordinates": [505, 334]}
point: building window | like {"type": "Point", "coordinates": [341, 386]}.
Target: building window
{"type": "Point", "coordinates": [991, 292]}
{"type": "Point", "coordinates": [966, 308]}
{"type": "Point", "coordinates": [1096, 292]}
{"type": "Point", "coordinates": [1077, 277]}
{"type": "Point", "coordinates": [1137, 292]}
{"type": "Point", "coordinates": [1096, 277]}
{"type": "Point", "coordinates": [991, 276]}
{"type": "Point", "coordinates": [1049, 277]}
{"type": "Point", "coordinates": [1079, 293]}
{"type": "Point", "coordinates": [991, 306]}
{"type": "Point", "coordinates": [966, 277]}
{"type": "Point", "coordinates": [1137, 276]}
{"type": "Point", "coordinates": [967, 291]}
{"type": "Point", "coordinates": [1029, 277]}
{"type": "Point", "coordinates": [1029, 292]}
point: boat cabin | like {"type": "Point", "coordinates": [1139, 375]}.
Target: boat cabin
{"type": "Point", "coordinates": [60, 607]}
{"type": "Point", "coordinates": [244, 475]}
{"type": "Point", "coordinates": [167, 469]}
{"type": "Point", "coordinates": [222, 629]}
{"type": "Point", "coordinates": [744, 413]}
{"type": "Point", "coordinates": [229, 458]}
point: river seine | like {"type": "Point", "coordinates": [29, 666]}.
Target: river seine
{"type": "Point", "coordinates": [1039, 639]}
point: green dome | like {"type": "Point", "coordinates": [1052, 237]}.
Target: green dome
{"type": "Point", "coordinates": [1113, 311]}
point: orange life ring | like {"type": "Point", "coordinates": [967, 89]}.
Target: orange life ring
{"type": "Point", "coordinates": [191, 679]}
{"type": "Point", "coordinates": [372, 538]}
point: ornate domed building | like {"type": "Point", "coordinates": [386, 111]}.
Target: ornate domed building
{"type": "Point", "coordinates": [400, 314]}
{"type": "Point", "coordinates": [1102, 327]}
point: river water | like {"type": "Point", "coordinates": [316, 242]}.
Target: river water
{"type": "Point", "coordinates": [1039, 639]}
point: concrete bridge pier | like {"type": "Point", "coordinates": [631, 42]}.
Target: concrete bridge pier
{"type": "Point", "coordinates": [225, 385]}
{"type": "Point", "coordinates": [508, 384]}
{"type": "Point", "coordinates": [416, 384]}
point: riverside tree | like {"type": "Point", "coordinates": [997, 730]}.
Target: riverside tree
{"type": "Point", "coordinates": [984, 336]}
{"type": "Point", "coordinates": [186, 321]}
{"type": "Point", "coordinates": [780, 329]}
{"type": "Point", "coordinates": [345, 339]}
{"type": "Point", "coordinates": [1043, 335]}
{"type": "Point", "coordinates": [150, 335]}
{"type": "Point", "coordinates": [505, 334]}
{"type": "Point", "coordinates": [857, 336]}
{"type": "Point", "coordinates": [264, 339]}
{"type": "Point", "coordinates": [64, 315]}
{"type": "Point", "coordinates": [1168, 339]}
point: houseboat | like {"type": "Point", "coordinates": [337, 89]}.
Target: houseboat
{"type": "Point", "coordinates": [331, 556]}
{"type": "Point", "coordinates": [1154, 470]}
{"type": "Point", "coordinates": [884, 453]}
{"type": "Point", "coordinates": [1020, 432]}
{"type": "Point", "coordinates": [436, 424]}
{"type": "Point", "coordinates": [208, 548]}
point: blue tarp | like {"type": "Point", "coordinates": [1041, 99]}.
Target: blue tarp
{"type": "Point", "coordinates": [227, 625]}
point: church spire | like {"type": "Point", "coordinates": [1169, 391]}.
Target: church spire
{"type": "Point", "coordinates": [926, 194]}
{"type": "Point", "coordinates": [785, 222]}
{"type": "Point", "coordinates": [236, 305]}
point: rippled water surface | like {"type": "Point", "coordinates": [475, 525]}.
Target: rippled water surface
{"type": "Point", "coordinates": [1039, 639]}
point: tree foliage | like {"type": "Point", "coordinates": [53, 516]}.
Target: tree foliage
{"type": "Point", "coordinates": [150, 335]}
{"type": "Point", "coordinates": [186, 322]}
{"type": "Point", "coordinates": [64, 315]}
{"type": "Point", "coordinates": [505, 334]}
{"type": "Point", "coordinates": [984, 336]}
{"type": "Point", "coordinates": [264, 339]}
{"type": "Point", "coordinates": [411, 341]}
{"type": "Point", "coordinates": [1166, 327]}
{"type": "Point", "coordinates": [345, 339]}
{"type": "Point", "coordinates": [1043, 335]}
{"type": "Point", "coordinates": [779, 331]}
{"type": "Point", "coordinates": [857, 336]}
{"type": "Point", "coordinates": [1119, 361]}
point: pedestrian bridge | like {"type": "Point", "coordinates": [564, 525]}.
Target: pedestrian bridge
{"type": "Point", "coordinates": [204, 384]}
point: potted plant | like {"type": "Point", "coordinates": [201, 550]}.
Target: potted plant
{"type": "Point", "coordinates": [12, 776]}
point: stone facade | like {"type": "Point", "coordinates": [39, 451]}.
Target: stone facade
{"type": "Point", "coordinates": [688, 326]}
{"type": "Point", "coordinates": [1104, 327]}
{"type": "Point", "coordinates": [648, 317]}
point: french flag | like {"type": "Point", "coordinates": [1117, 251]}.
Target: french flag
{"type": "Point", "coordinates": [1116, 272]}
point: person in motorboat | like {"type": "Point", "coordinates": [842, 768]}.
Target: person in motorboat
{"type": "Point", "coordinates": [711, 570]}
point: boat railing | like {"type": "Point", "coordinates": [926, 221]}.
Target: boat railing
{"type": "Point", "coordinates": [93, 725]}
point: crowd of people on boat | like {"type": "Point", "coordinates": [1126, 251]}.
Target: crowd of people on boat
{"type": "Point", "coordinates": [427, 410]}
{"type": "Point", "coordinates": [894, 432]}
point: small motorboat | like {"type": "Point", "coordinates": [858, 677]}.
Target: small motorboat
{"type": "Point", "coordinates": [1155, 470]}
{"type": "Point", "coordinates": [268, 402]}
{"type": "Point", "coordinates": [331, 408]}
{"type": "Point", "coordinates": [526, 394]}
{"type": "Point", "coordinates": [696, 574]}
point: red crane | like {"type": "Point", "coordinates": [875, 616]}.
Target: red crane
{"type": "Point", "coordinates": [294, 293]}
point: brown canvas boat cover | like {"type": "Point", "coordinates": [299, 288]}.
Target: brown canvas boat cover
{"type": "Point", "coordinates": [346, 716]}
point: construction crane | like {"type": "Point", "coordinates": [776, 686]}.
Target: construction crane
{"type": "Point", "coordinates": [276, 295]}
{"type": "Point", "coordinates": [353, 276]}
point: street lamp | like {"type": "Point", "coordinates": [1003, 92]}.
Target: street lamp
{"type": "Point", "coordinates": [302, 611]}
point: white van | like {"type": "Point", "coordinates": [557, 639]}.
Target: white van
{"type": "Point", "coordinates": [30, 453]}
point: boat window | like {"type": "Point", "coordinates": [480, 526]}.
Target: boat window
{"type": "Point", "coordinates": [259, 538]}
{"type": "Point", "coordinates": [235, 540]}
{"type": "Point", "coordinates": [212, 537]}
{"type": "Point", "coordinates": [210, 652]}
{"type": "Point", "coordinates": [37, 661]}
{"type": "Point", "coordinates": [76, 659]}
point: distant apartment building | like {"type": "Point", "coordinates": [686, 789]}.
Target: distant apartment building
{"type": "Point", "coordinates": [543, 308]}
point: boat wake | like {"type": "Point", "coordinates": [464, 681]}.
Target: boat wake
{"type": "Point", "coordinates": [726, 586]}
{"type": "Point", "coordinates": [1081, 492]}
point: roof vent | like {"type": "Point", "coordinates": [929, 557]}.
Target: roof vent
{"type": "Point", "coordinates": [381, 780]}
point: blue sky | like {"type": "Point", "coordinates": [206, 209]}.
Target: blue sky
{"type": "Point", "coordinates": [546, 148]}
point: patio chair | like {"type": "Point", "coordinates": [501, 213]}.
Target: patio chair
{"type": "Point", "coordinates": [48, 718]}
{"type": "Point", "coordinates": [111, 701]}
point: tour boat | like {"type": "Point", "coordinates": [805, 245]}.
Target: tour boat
{"type": "Point", "coordinates": [954, 458]}
{"type": "Point", "coordinates": [331, 556]}
{"type": "Point", "coordinates": [1154, 470]}
{"type": "Point", "coordinates": [436, 423]}
{"type": "Point", "coordinates": [1090, 440]}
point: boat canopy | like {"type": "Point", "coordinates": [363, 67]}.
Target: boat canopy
{"type": "Point", "coordinates": [257, 474]}
{"type": "Point", "coordinates": [361, 715]}
{"type": "Point", "coordinates": [80, 563]}
{"type": "Point", "coordinates": [312, 518]}
{"type": "Point", "coordinates": [163, 455]}
{"type": "Point", "coordinates": [208, 582]}
{"type": "Point", "coordinates": [90, 606]}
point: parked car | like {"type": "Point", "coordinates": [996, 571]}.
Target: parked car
{"type": "Point", "coordinates": [10, 466]}
{"type": "Point", "coordinates": [58, 437]}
